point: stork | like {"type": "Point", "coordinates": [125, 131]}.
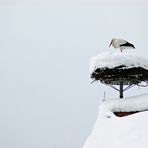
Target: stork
{"type": "Point", "coordinates": [121, 44]}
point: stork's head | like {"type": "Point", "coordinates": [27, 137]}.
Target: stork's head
{"type": "Point", "coordinates": [112, 41]}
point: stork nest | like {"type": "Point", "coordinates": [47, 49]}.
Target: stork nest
{"type": "Point", "coordinates": [115, 75]}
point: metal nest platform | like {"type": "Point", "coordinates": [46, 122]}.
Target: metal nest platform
{"type": "Point", "coordinates": [114, 76]}
{"type": "Point", "coordinates": [121, 76]}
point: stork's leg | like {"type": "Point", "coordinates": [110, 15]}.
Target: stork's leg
{"type": "Point", "coordinates": [121, 50]}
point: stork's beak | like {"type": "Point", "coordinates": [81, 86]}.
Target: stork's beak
{"type": "Point", "coordinates": [110, 43]}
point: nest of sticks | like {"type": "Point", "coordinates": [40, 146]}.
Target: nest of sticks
{"type": "Point", "coordinates": [114, 76]}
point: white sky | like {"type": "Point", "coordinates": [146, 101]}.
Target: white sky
{"type": "Point", "coordinates": [45, 91]}
{"type": "Point", "coordinates": [90, 2]}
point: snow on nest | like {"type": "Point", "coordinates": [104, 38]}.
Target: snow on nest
{"type": "Point", "coordinates": [111, 131]}
{"type": "Point", "coordinates": [114, 59]}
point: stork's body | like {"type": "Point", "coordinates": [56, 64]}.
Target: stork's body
{"type": "Point", "coordinates": [121, 44]}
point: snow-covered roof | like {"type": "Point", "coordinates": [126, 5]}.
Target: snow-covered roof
{"type": "Point", "coordinates": [111, 131]}
{"type": "Point", "coordinates": [127, 132]}
{"type": "Point", "coordinates": [115, 59]}
{"type": "Point", "coordinates": [129, 104]}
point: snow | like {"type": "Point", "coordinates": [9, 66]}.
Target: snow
{"type": "Point", "coordinates": [114, 59]}
{"type": "Point", "coordinates": [130, 131]}
{"type": "Point", "coordinates": [109, 130]}
{"type": "Point", "coordinates": [137, 103]}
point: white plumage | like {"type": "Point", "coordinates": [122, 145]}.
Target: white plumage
{"type": "Point", "coordinates": [121, 44]}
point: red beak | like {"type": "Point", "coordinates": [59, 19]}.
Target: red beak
{"type": "Point", "coordinates": [110, 44]}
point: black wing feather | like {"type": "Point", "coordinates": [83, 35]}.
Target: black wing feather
{"type": "Point", "coordinates": [128, 44]}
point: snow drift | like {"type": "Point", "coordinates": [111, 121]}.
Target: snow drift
{"type": "Point", "coordinates": [111, 131]}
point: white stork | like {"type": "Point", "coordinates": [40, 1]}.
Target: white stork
{"type": "Point", "coordinates": [121, 44]}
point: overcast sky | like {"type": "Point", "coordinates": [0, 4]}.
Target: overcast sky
{"type": "Point", "coordinates": [90, 2]}
{"type": "Point", "coordinates": [46, 99]}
